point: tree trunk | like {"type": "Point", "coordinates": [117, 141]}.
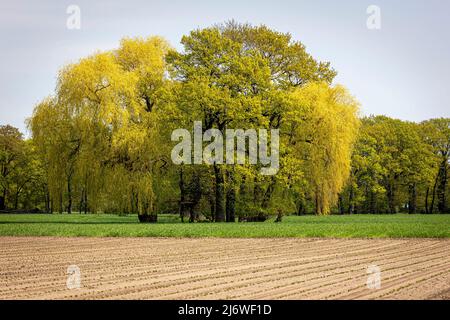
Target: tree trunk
{"type": "Point", "coordinates": [16, 200]}
{"type": "Point", "coordinates": [85, 201]}
{"type": "Point", "coordinates": [231, 197]}
{"type": "Point", "coordinates": [433, 194]}
{"type": "Point", "coordinates": [318, 208]}
{"type": "Point", "coordinates": [390, 197]}
{"type": "Point", "coordinates": [426, 200]}
{"type": "Point", "coordinates": [192, 215]}
{"type": "Point", "coordinates": [412, 199]}
{"type": "Point", "coordinates": [3, 200]}
{"type": "Point", "coordinates": [182, 195]}
{"type": "Point", "coordinates": [351, 206]}
{"type": "Point", "coordinates": [220, 194]}
{"type": "Point", "coordinates": [69, 194]}
{"type": "Point", "coordinates": [300, 207]}
{"type": "Point", "coordinates": [372, 203]}
{"type": "Point", "coordinates": [196, 196]}
{"type": "Point", "coordinates": [441, 188]}
{"type": "Point", "coordinates": [341, 205]}
{"type": "Point", "coordinates": [80, 207]}
{"type": "Point", "coordinates": [47, 202]}
{"type": "Point", "coordinates": [61, 205]}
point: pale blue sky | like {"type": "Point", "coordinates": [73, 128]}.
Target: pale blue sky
{"type": "Point", "coordinates": [401, 70]}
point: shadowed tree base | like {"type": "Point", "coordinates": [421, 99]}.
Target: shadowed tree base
{"type": "Point", "coordinates": [144, 218]}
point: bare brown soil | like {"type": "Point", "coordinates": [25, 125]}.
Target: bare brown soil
{"type": "Point", "coordinates": [170, 268]}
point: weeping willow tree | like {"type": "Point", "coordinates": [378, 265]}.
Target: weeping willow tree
{"type": "Point", "coordinates": [323, 128]}
{"type": "Point", "coordinates": [99, 133]}
{"type": "Point", "coordinates": [52, 135]}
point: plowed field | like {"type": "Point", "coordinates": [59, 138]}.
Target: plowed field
{"type": "Point", "coordinates": [216, 268]}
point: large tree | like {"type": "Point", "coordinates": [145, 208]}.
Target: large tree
{"type": "Point", "coordinates": [240, 76]}
{"type": "Point", "coordinates": [100, 131]}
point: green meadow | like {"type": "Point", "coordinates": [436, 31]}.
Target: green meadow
{"type": "Point", "coordinates": [335, 226]}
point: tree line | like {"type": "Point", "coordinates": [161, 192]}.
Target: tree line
{"type": "Point", "coordinates": [102, 141]}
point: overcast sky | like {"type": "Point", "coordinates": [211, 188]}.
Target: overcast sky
{"type": "Point", "coordinates": [401, 70]}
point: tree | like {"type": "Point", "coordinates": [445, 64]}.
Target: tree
{"type": "Point", "coordinates": [436, 133]}
{"type": "Point", "coordinates": [101, 128]}
{"type": "Point", "coordinates": [240, 76]}
{"type": "Point", "coordinates": [324, 134]}
{"type": "Point", "coordinates": [11, 159]}
{"type": "Point", "coordinates": [22, 184]}
{"type": "Point", "coordinates": [291, 68]}
{"type": "Point", "coordinates": [102, 142]}
{"type": "Point", "coordinates": [221, 86]}
{"type": "Point", "coordinates": [391, 163]}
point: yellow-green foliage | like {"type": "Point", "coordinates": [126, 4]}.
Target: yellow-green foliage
{"type": "Point", "coordinates": [326, 131]}
{"type": "Point", "coordinates": [99, 123]}
{"type": "Point", "coordinates": [105, 134]}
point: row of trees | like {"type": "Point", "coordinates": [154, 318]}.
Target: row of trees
{"type": "Point", "coordinates": [399, 166]}
{"type": "Point", "coordinates": [22, 181]}
{"type": "Point", "coordinates": [102, 142]}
